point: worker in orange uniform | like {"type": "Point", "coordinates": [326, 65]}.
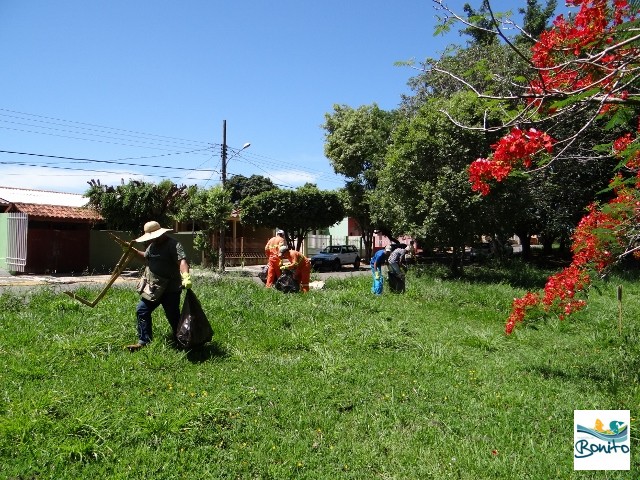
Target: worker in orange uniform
{"type": "Point", "coordinates": [298, 264]}
{"type": "Point", "coordinates": [272, 250]}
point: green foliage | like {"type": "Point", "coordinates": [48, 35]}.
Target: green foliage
{"type": "Point", "coordinates": [493, 69]}
{"type": "Point", "coordinates": [547, 204]}
{"type": "Point", "coordinates": [451, 210]}
{"type": "Point", "coordinates": [424, 189]}
{"type": "Point", "coordinates": [242, 187]}
{"type": "Point", "coordinates": [129, 206]}
{"type": "Point", "coordinates": [536, 19]}
{"type": "Point", "coordinates": [331, 384]}
{"type": "Point", "coordinates": [297, 212]}
{"type": "Point", "coordinates": [483, 24]}
{"type": "Point", "coordinates": [356, 141]}
{"type": "Point", "coordinates": [208, 209]}
{"type": "Point", "coordinates": [621, 117]}
{"type": "Point", "coordinates": [573, 99]}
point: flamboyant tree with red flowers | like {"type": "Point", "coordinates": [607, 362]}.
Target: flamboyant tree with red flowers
{"type": "Point", "coordinates": [587, 62]}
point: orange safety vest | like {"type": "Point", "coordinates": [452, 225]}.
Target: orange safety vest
{"type": "Point", "coordinates": [273, 246]}
{"type": "Point", "coordinates": [296, 258]}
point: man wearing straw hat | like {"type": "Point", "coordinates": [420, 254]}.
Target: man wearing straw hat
{"type": "Point", "coordinates": [165, 274]}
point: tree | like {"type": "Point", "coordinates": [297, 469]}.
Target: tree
{"type": "Point", "coordinates": [481, 32]}
{"type": "Point", "coordinates": [420, 192]}
{"type": "Point", "coordinates": [129, 206]}
{"type": "Point", "coordinates": [356, 142]}
{"type": "Point", "coordinates": [242, 187]}
{"type": "Point", "coordinates": [297, 212]}
{"type": "Point", "coordinates": [209, 209]}
{"type": "Point", "coordinates": [535, 19]}
{"type": "Point", "coordinates": [587, 64]}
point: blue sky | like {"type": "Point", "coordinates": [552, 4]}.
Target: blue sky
{"type": "Point", "coordinates": [144, 86]}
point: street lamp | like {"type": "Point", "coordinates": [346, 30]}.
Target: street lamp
{"type": "Point", "coordinates": [223, 175]}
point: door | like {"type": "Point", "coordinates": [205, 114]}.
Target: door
{"type": "Point", "coordinates": [16, 241]}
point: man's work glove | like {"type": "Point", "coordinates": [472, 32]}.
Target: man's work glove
{"type": "Point", "coordinates": [186, 280]}
{"type": "Point", "coordinates": [377, 275]}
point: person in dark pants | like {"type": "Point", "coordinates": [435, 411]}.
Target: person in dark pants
{"type": "Point", "coordinates": [397, 268]}
{"type": "Point", "coordinates": [166, 273]}
{"type": "Point", "coordinates": [397, 261]}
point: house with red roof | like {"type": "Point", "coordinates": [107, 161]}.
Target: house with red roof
{"type": "Point", "coordinates": [45, 232]}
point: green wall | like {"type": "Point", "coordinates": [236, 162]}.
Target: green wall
{"type": "Point", "coordinates": [104, 252]}
{"type": "Point", "coordinates": [4, 241]}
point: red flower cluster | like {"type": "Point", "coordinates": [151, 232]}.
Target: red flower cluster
{"type": "Point", "coordinates": [519, 310]}
{"type": "Point", "coordinates": [624, 149]}
{"type": "Point", "coordinates": [519, 146]}
{"type": "Point", "coordinates": [592, 251]}
{"type": "Point", "coordinates": [621, 144]}
{"type": "Point", "coordinates": [579, 37]}
{"type": "Point", "coordinates": [575, 56]}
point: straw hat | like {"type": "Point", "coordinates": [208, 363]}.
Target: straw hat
{"type": "Point", "coordinates": [152, 230]}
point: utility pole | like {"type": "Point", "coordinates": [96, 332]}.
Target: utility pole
{"type": "Point", "coordinates": [223, 175]}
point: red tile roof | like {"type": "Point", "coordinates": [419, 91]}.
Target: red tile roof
{"type": "Point", "coordinates": [42, 212]}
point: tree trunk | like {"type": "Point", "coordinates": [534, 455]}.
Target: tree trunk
{"type": "Point", "coordinates": [547, 244]}
{"type": "Point", "coordinates": [456, 261]}
{"type": "Point", "coordinates": [525, 242]}
{"type": "Point", "coordinates": [367, 239]}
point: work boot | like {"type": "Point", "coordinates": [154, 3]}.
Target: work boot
{"type": "Point", "coordinates": [135, 347]}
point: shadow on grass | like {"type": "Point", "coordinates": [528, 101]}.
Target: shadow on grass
{"type": "Point", "coordinates": [206, 352]}
{"type": "Point", "coordinates": [600, 375]}
{"type": "Point", "coordinates": [518, 274]}
{"type": "Point", "coordinates": [515, 272]}
{"type": "Point", "coordinates": [529, 274]}
{"type": "Point", "coordinates": [199, 354]}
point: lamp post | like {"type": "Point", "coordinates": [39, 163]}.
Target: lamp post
{"type": "Point", "coordinates": [223, 177]}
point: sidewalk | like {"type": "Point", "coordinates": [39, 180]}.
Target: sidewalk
{"type": "Point", "coordinates": [28, 280]}
{"type": "Point", "coordinates": [128, 276]}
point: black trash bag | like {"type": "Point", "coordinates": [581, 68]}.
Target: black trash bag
{"type": "Point", "coordinates": [396, 282]}
{"type": "Point", "coordinates": [194, 328]}
{"type": "Point", "coordinates": [262, 275]}
{"type": "Point", "coordinates": [286, 283]}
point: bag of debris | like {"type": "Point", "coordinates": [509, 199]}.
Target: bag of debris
{"type": "Point", "coordinates": [286, 283]}
{"type": "Point", "coordinates": [378, 285]}
{"type": "Point", "coordinates": [262, 275]}
{"type": "Point", "coordinates": [194, 328]}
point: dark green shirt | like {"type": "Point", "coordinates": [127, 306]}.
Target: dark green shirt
{"type": "Point", "coordinates": [163, 259]}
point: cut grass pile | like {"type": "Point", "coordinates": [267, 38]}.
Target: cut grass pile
{"type": "Point", "coordinates": [333, 384]}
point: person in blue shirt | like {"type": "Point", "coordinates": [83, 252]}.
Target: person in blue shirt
{"type": "Point", "coordinates": [378, 259]}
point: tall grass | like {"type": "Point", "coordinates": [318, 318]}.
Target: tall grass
{"type": "Point", "coordinates": [333, 384]}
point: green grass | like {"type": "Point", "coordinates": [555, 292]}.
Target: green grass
{"type": "Point", "coordinates": [333, 384]}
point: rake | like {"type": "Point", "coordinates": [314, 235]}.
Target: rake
{"type": "Point", "coordinates": [120, 266]}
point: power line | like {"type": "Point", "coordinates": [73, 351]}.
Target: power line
{"type": "Point", "coordinates": [161, 142]}
{"type": "Point", "coordinates": [85, 139]}
{"type": "Point", "coordinates": [126, 132]}
{"type": "Point", "coordinates": [278, 163]}
{"type": "Point", "coordinates": [110, 172]}
{"type": "Point", "coordinates": [85, 160]}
